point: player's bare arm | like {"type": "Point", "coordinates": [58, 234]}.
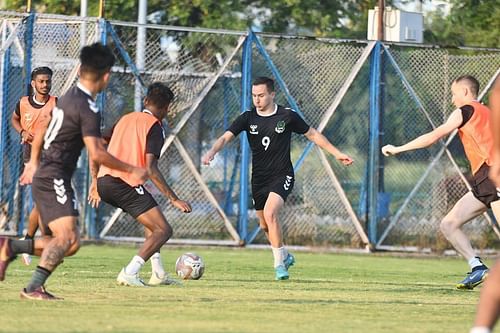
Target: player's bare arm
{"type": "Point", "coordinates": [313, 135]}
{"type": "Point", "coordinates": [427, 139]}
{"type": "Point", "coordinates": [217, 146]}
{"type": "Point", "coordinates": [160, 182]}
{"type": "Point", "coordinates": [94, 199]}
{"type": "Point", "coordinates": [99, 155]}
{"type": "Point", "coordinates": [36, 149]}
{"type": "Point", "coordinates": [26, 137]}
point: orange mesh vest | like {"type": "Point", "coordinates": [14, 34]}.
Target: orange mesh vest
{"type": "Point", "coordinates": [477, 138]}
{"type": "Point", "coordinates": [30, 116]}
{"type": "Point", "coordinates": [128, 144]}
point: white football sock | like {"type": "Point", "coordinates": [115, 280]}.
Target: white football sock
{"type": "Point", "coordinates": [279, 255]}
{"type": "Point", "coordinates": [134, 266]}
{"type": "Point", "coordinates": [157, 265]}
{"type": "Point", "coordinates": [480, 329]}
{"type": "Point", "coordinates": [474, 262]}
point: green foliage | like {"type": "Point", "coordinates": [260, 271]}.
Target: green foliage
{"type": "Point", "coordinates": [470, 22]}
{"type": "Point", "coordinates": [326, 293]}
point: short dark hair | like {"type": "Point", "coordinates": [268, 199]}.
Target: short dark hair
{"type": "Point", "coordinates": [264, 80]}
{"type": "Point", "coordinates": [41, 71]}
{"type": "Point", "coordinates": [96, 59]}
{"type": "Point", "coordinates": [471, 82]}
{"type": "Point", "coordinates": [159, 95]}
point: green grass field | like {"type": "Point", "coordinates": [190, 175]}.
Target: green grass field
{"type": "Point", "coordinates": [326, 293]}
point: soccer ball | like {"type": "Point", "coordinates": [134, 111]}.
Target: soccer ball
{"type": "Point", "coordinates": [190, 266]}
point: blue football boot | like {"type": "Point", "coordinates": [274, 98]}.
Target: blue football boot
{"type": "Point", "coordinates": [289, 261]}
{"type": "Point", "coordinates": [281, 273]}
{"type": "Point", "coordinates": [474, 278]}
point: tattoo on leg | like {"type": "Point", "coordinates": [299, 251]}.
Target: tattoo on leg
{"type": "Point", "coordinates": [54, 256]}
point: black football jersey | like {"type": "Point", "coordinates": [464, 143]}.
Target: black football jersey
{"type": "Point", "coordinates": [269, 138]}
{"type": "Point", "coordinates": [75, 116]}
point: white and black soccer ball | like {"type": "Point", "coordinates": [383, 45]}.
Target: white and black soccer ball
{"type": "Point", "coordinates": [190, 266]}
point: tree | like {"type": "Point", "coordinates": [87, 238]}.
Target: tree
{"type": "Point", "coordinates": [328, 18]}
{"type": "Point", "coordinates": [470, 22]}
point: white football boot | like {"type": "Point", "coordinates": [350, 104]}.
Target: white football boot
{"type": "Point", "coordinates": [157, 280]}
{"type": "Point", "coordinates": [132, 280]}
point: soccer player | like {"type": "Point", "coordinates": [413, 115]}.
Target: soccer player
{"type": "Point", "coordinates": [29, 112]}
{"type": "Point", "coordinates": [75, 123]}
{"type": "Point", "coordinates": [137, 139]}
{"type": "Point", "coordinates": [488, 308]}
{"type": "Point", "coordinates": [269, 127]}
{"type": "Point", "coordinates": [472, 120]}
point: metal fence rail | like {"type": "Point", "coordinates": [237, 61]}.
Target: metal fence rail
{"type": "Point", "coordinates": [360, 94]}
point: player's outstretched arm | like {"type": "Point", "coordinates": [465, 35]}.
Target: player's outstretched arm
{"type": "Point", "coordinates": [426, 140]}
{"type": "Point", "coordinates": [158, 179]}
{"type": "Point", "coordinates": [313, 135]}
{"type": "Point", "coordinates": [217, 146]}
{"type": "Point", "coordinates": [36, 149]}
{"type": "Point", "coordinates": [99, 155]}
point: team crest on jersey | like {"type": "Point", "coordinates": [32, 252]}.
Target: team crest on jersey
{"type": "Point", "coordinates": [253, 129]}
{"type": "Point", "coordinates": [280, 127]}
{"type": "Point", "coordinates": [28, 117]}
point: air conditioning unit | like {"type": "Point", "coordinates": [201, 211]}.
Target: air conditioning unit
{"type": "Point", "coordinates": [400, 26]}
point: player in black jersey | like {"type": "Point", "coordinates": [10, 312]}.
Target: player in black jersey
{"type": "Point", "coordinates": [75, 123]}
{"type": "Point", "coordinates": [269, 127]}
{"type": "Point", "coordinates": [29, 112]}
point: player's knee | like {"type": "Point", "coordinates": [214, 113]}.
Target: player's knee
{"type": "Point", "coordinates": [73, 247]}
{"type": "Point", "coordinates": [165, 230]}
{"type": "Point", "coordinates": [270, 217]}
{"type": "Point", "coordinates": [447, 226]}
{"type": "Point", "coordinates": [168, 232]}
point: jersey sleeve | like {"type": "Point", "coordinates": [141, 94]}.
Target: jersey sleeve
{"type": "Point", "coordinates": [239, 124]}
{"type": "Point", "coordinates": [155, 140]}
{"type": "Point", "coordinates": [467, 112]}
{"type": "Point", "coordinates": [90, 119]}
{"type": "Point", "coordinates": [298, 125]}
{"type": "Point", "coordinates": [18, 109]}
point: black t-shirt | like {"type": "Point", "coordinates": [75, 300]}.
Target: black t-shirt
{"type": "Point", "coordinates": [155, 140]}
{"type": "Point", "coordinates": [75, 116]}
{"type": "Point", "coordinates": [269, 138]}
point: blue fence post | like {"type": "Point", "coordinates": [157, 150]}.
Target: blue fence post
{"type": "Point", "coordinates": [246, 85]}
{"type": "Point", "coordinates": [374, 145]}
{"type": "Point", "coordinates": [28, 54]}
{"type": "Point", "coordinates": [226, 182]}
{"type": "Point", "coordinates": [4, 124]}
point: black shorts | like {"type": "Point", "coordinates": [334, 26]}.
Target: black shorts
{"type": "Point", "coordinates": [133, 200]}
{"type": "Point", "coordinates": [483, 188]}
{"type": "Point", "coordinates": [281, 185]}
{"type": "Point", "coordinates": [54, 198]}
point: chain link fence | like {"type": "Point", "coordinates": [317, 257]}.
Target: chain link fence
{"type": "Point", "coordinates": [425, 184]}
{"type": "Point", "coordinates": [329, 82]}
